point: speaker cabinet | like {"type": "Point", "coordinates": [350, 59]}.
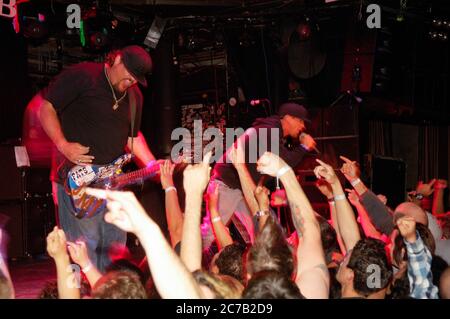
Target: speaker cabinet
{"type": "Point", "coordinates": [11, 216]}
{"type": "Point", "coordinates": [11, 185]}
{"type": "Point", "coordinates": [40, 220]}
{"type": "Point", "coordinates": [388, 177]}
{"type": "Point", "coordinates": [27, 224]}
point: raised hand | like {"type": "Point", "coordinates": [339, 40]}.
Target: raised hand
{"type": "Point", "coordinates": [124, 210]}
{"type": "Point", "coordinates": [262, 196]}
{"type": "Point", "coordinates": [350, 169]}
{"type": "Point", "coordinates": [196, 177]}
{"type": "Point", "coordinates": [78, 253]}
{"type": "Point", "coordinates": [213, 196]}
{"type": "Point", "coordinates": [278, 198]}
{"type": "Point", "coordinates": [426, 189]}
{"type": "Point", "coordinates": [407, 227]}
{"type": "Point", "coordinates": [166, 171]}
{"type": "Point", "coordinates": [237, 153]}
{"type": "Point", "coordinates": [326, 172]}
{"type": "Point", "coordinates": [76, 153]}
{"type": "Point", "coordinates": [352, 196]}
{"type": "Point", "coordinates": [325, 188]}
{"type": "Point", "coordinates": [382, 198]}
{"type": "Point", "coordinates": [56, 244]}
{"type": "Point", "coordinates": [269, 164]}
{"type": "Point", "coordinates": [440, 184]}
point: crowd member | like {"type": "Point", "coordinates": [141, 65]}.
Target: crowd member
{"type": "Point", "coordinates": [444, 289]}
{"type": "Point", "coordinates": [269, 268]}
{"type": "Point", "coordinates": [380, 215]}
{"type": "Point", "coordinates": [354, 273]}
{"type": "Point", "coordinates": [312, 277]}
{"type": "Point", "coordinates": [419, 260]}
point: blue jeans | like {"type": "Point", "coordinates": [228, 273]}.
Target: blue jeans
{"type": "Point", "coordinates": [98, 235]}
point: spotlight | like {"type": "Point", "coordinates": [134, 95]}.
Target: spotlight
{"type": "Point", "coordinates": [304, 30]}
{"type": "Point", "coordinates": [232, 101]}
{"type": "Point", "coordinates": [35, 28]}
{"type": "Point", "coordinates": [436, 23]}
{"type": "Point", "coordinates": [442, 36]}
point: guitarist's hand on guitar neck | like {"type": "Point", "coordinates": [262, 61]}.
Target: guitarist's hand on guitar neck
{"type": "Point", "coordinates": [75, 152]}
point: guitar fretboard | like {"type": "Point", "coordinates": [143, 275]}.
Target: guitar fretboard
{"type": "Point", "coordinates": [129, 178]}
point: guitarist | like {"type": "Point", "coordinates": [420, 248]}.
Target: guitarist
{"type": "Point", "coordinates": [86, 113]}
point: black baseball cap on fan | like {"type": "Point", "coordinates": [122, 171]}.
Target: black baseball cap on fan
{"type": "Point", "coordinates": [295, 110]}
{"type": "Point", "coordinates": [138, 62]}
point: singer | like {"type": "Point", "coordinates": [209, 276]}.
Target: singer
{"type": "Point", "coordinates": [290, 122]}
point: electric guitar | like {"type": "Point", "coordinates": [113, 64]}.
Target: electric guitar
{"type": "Point", "coordinates": [108, 176]}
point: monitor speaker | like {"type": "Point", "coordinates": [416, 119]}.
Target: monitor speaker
{"type": "Point", "coordinates": [387, 176]}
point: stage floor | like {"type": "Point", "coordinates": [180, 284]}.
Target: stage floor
{"type": "Point", "coordinates": [29, 276]}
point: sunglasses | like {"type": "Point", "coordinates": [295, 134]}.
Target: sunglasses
{"type": "Point", "coordinates": [415, 195]}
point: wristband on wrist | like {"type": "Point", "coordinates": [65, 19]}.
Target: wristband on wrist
{"type": "Point", "coordinates": [283, 171]}
{"type": "Point", "coordinates": [355, 182]}
{"type": "Point", "coordinates": [339, 197]}
{"type": "Point", "coordinates": [85, 269]}
{"type": "Point", "coordinates": [216, 219]}
{"type": "Point", "coordinates": [170, 188]}
{"type": "Point", "coordinates": [280, 173]}
{"type": "Point", "coordinates": [331, 201]}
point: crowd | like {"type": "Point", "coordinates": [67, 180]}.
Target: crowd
{"type": "Point", "coordinates": [365, 250]}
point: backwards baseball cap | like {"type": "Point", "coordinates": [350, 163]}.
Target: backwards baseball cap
{"type": "Point", "coordinates": [138, 62]}
{"type": "Point", "coordinates": [295, 110]}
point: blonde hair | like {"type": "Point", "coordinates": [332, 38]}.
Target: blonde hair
{"type": "Point", "coordinates": [222, 286]}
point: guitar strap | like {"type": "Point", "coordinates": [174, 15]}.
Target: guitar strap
{"type": "Point", "coordinates": [132, 101]}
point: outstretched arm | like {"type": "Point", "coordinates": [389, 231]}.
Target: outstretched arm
{"type": "Point", "coordinates": [438, 197]}
{"type": "Point", "coordinates": [172, 279]}
{"type": "Point", "coordinates": [78, 253]}
{"type": "Point", "coordinates": [67, 280]}
{"type": "Point", "coordinates": [312, 273]}
{"type": "Point", "coordinates": [237, 156]}
{"type": "Point", "coordinates": [376, 209]}
{"type": "Point", "coordinates": [325, 188]}
{"type": "Point", "coordinates": [345, 217]}
{"type": "Point", "coordinates": [196, 178]}
{"type": "Point", "coordinates": [174, 215]}
{"type": "Point", "coordinates": [221, 232]}
{"type": "Point", "coordinates": [368, 227]}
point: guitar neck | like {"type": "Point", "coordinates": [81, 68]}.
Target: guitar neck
{"type": "Point", "coordinates": [138, 175]}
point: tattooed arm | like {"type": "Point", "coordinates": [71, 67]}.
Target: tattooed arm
{"type": "Point", "coordinates": [312, 273]}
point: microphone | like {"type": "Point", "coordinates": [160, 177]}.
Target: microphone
{"type": "Point", "coordinates": [257, 101]}
{"type": "Point", "coordinates": [357, 98]}
{"type": "Point", "coordinates": [303, 134]}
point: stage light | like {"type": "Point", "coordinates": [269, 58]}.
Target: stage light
{"type": "Point", "coordinates": [304, 30]}
{"type": "Point", "coordinates": [34, 28]}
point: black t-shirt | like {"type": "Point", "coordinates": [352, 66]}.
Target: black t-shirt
{"type": "Point", "coordinates": [84, 103]}
{"type": "Point", "coordinates": [291, 155]}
